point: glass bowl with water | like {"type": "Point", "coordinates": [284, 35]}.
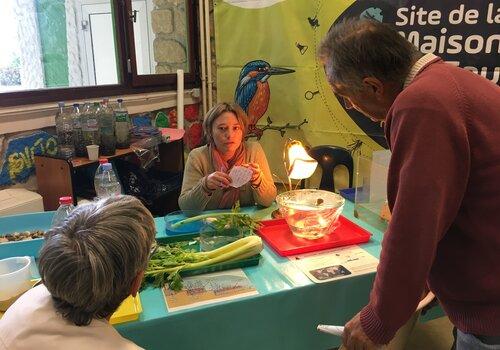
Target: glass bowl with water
{"type": "Point", "coordinates": [310, 213]}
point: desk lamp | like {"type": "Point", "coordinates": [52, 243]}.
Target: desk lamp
{"type": "Point", "coordinates": [309, 213]}
{"type": "Point", "coordinates": [298, 165]}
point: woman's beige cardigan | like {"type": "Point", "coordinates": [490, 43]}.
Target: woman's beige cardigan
{"type": "Point", "coordinates": [198, 166]}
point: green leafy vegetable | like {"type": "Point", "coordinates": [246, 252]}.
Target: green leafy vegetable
{"type": "Point", "coordinates": [169, 260]}
{"type": "Point", "coordinates": [233, 219]}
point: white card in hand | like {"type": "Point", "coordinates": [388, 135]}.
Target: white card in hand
{"type": "Point", "coordinates": [239, 176]}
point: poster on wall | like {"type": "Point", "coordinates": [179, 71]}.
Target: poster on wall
{"type": "Point", "coordinates": [17, 162]}
{"type": "Point", "coordinates": [267, 62]}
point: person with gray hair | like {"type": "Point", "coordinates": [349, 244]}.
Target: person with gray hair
{"type": "Point", "coordinates": [442, 124]}
{"type": "Point", "coordinates": [206, 183]}
{"type": "Point", "coordinates": [88, 266]}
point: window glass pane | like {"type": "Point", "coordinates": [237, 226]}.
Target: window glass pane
{"type": "Point", "coordinates": [57, 44]}
{"type": "Point", "coordinates": [10, 79]}
{"type": "Point", "coordinates": [161, 36]}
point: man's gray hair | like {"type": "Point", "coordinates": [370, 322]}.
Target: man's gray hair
{"type": "Point", "coordinates": [355, 49]}
{"type": "Point", "coordinates": [89, 263]}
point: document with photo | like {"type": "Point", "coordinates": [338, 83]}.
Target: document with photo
{"type": "Point", "coordinates": [337, 263]}
{"type": "Point", "coordinates": [208, 289]}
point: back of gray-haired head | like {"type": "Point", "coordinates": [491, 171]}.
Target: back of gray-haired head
{"type": "Point", "coordinates": [89, 263]}
{"type": "Point", "coordinates": [356, 49]}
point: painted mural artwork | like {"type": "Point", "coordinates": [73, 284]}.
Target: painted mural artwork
{"type": "Point", "coordinates": [253, 93]}
{"type": "Point", "coordinates": [301, 98]}
{"type": "Point", "coordinates": [19, 156]}
{"type": "Point", "coordinates": [254, 4]}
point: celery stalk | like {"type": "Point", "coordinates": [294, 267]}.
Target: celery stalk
{"type": "Point", "coordinates": [240, 249]}
{"type": "Point", "coordinates": [203, 216]}
{"type": "Point", "coordinates": [233, 245]}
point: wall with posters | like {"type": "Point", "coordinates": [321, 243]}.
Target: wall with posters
{"type": "Point", "coordinates": [283, 35]}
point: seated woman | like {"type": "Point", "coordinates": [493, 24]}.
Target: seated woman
{"type": "Point", "coordinates": [206, 183]}
{"type": "Point", "coordinates": [89, 265]}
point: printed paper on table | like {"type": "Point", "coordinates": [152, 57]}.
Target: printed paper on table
{"type": "Point", "coordinates": [334, 264]}
{"type": "Point", "coordinates": [209, 288]}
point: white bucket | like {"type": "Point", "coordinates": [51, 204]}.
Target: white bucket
{"type": "Point", "coordinates": [15, 279]}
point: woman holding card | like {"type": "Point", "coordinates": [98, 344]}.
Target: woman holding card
{"type": "Point", "coordinates": [227, 168]}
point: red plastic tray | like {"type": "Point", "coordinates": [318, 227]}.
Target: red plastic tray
{"type": "Point", "coordinates": [278, 235]}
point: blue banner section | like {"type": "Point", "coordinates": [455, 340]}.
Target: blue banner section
{"type": "Point", "coordinates": [18, 160]}
{"type": "Point", "coordinates": [462, 33]}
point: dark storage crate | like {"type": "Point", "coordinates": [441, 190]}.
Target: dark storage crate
{"type": "Point", "coordinates": [158, 190]}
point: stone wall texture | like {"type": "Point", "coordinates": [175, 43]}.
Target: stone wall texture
{"type": "Point", "coordinates": [169, 23]}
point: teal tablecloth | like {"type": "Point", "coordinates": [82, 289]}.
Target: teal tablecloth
{"type": "Point", "coordinates": [284, 314]}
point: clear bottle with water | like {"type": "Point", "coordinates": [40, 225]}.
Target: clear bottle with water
{"type": "Point", "coordinates": [107, 128]}
{"type": "Point", "coordinates": [64, 130]}
{"type": "Point", "coordinates": [122, 125]}
{"type": "Point", "coordinates": [65, 207]}
{"type": "Point", "coordinates": [106, 183]}
{"type": "Point", "coordinates": [78, 141]}
{"type": "Point", "coordinates": [90, 124]}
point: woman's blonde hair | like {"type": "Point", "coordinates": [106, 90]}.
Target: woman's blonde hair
{"type": "Point", "coordinates": [216, 111]}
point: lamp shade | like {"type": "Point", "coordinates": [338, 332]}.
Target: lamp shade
{"type": "Point", "coordinates": [302, 166]}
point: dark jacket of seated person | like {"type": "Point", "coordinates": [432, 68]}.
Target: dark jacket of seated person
{"type": "Point", "coordinates": [88, 265]}
{"type": "Point", "coordinates": [206, 184]}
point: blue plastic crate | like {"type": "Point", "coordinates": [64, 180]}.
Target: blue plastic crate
{"type": "Point", "coordinates": [348, 193]}
{"type": "Point", "coordinates": [19, 223]}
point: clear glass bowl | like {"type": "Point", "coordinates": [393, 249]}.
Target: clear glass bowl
{"type": "Point", "coordinates": [176, 216]}
{"type": "Point", "coordinates": [211, 238]}
{"type": "Point", "coordinates": [310, 214]}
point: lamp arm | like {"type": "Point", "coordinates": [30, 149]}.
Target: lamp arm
{"type": "Point", "coordinates": [285, 165]}
{"type": "Point", "coordinates": [289, 172]}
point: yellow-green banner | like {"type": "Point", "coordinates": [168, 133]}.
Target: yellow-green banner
{"type": "Point", "coordinates": [284, 34]}
{"type": "Point", "coordinates": [267, 62]}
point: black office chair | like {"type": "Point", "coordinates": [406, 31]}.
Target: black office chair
{"type": "Point", "coordinates": [328, 157]}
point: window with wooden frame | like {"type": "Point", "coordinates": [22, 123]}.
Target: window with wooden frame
{"type": "Point", "coordinates": [56, 50]}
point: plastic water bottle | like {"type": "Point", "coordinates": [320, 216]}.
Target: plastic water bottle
{"type": "Point", "coordinates": [76, 117]}
{"type": "Point", "coordinates": [65, 207]}
{"type": "Point", "coordinates": [90, 124]}
{"type": "Point", "coordinates": [106, 183]}
{"type": "Point", "coordinates": [107, 129]}
{"type": "Point", "coordinates": [64, 130]}
{"type": "Point", "coordinates": [122, 125]}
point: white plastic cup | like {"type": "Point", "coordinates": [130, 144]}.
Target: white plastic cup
{"type": "Point", "coordinates": [15, 279]}
{"type": "Point", "coordinates": [93, 152]}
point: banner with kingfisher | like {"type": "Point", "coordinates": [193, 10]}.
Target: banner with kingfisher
{"type": "Point", "coordinates": [266, 62]}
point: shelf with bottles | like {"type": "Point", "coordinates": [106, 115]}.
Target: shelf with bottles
{"type": "Point", "coordinates": [58, 177]}
{"type": "Point", "coordinates": [83, 161]}
{"type": "Point", "coordinates": [97, 123]}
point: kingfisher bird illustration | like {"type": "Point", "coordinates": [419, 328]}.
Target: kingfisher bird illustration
{"type": "Point", "coordinates": [252, 91]}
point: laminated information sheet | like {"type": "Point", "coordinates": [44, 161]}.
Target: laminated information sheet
{"type": "Point", "coordinates": [333, 264]}
{"type": "Point", "coordinates": [208, 289]}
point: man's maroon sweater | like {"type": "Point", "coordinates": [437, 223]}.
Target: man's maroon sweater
{"type": "Point", "coordinates": [444, 193]}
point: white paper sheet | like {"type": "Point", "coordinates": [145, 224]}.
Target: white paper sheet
{"type": "Point", "coordinates": [337, 263]}
{"type": "Point", "coordinates": [240, 176]}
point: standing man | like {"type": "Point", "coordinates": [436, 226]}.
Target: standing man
{"type": "Point", "coordinates": [442, 124]}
